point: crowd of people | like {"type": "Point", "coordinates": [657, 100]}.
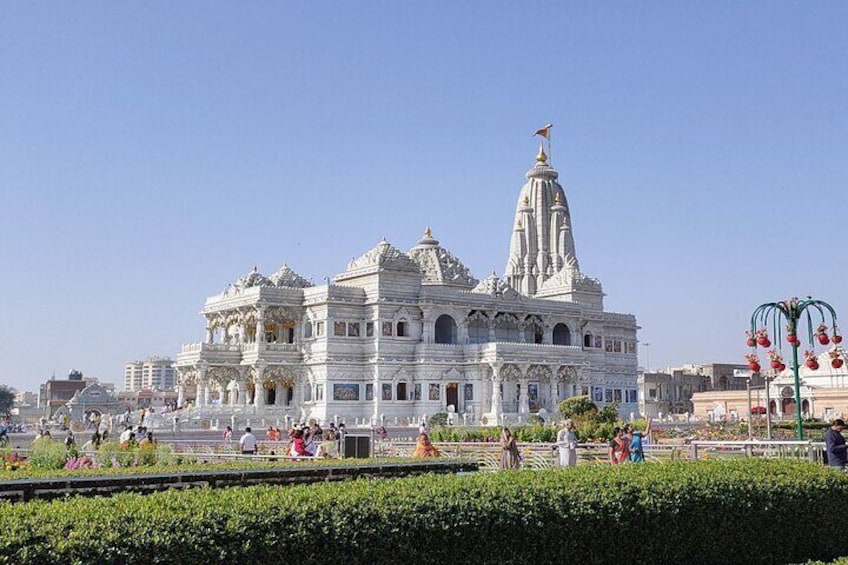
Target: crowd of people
{"type": "Point", "coordinates": [301, 440]}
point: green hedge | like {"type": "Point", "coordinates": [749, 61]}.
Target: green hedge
{"type": "Point", "coordinates": [741, 511]}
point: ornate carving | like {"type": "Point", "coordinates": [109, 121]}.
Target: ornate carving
{"type": "Point", "coordinates": [253, 278]}
{"type": "Point", "coordinates": [281, 315]}
{"type": "Point", "coordinates": [383, 255]}
{"type": "Point", "coordinates": [286, 277]}
{"type": "Point", "coordinates": [539, 372]}
{"type": "Point", "coordinates": [510, 372]}
{"type": "Point", "coordinates": [222, 375]}
{"type": "Point", "coordinates": [497, 287]}
{"type": "Point", "coordinates": [439, 266]}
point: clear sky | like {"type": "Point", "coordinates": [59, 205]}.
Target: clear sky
{"type": "Point", "coordinates": [152, 152]}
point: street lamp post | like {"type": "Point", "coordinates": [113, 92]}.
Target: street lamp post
{"type": "Point", "coordinates": [792, 312]}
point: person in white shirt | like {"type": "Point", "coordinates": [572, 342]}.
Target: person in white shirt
{"type": "Point", "coordinates": [247, 442]}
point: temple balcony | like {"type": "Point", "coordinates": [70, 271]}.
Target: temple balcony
{"type": "Point", "coordinates": [534, 353]}
{"type": "Point", "coordinates": [216, 353]}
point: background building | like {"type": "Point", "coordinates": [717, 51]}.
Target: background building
{"type": "Point", "coordinates": [155, 373]}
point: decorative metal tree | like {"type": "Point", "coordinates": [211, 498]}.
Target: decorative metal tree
{"type": "Point", "coordinates": [794, 312]}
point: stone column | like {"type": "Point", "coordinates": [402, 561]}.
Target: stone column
{"type": "Point", "coordinates": [491, 325]}
{"type": "Point", "coordinates": [553, 390]}
{"type": "Point", "coordinates": [548, 335]}
{"type": "Point", "coordinates": [497, 409]}
{"type": "Point", "coordinates": [259, 387]}
{"type": "Point", "coordinates": [180, 395]}
{"type": "Point", "coordinates": [427, 326]}
{"type": "Point", "coordinates": [278, 394]}
{"type": "Point", "coordinates": [523, 397]}
{"type": "Point", "coordinates": [462, 331]}
{"type": "Point", "coordinates": [210, 333]}
{"type": "Point", "coordinates": [260, 325]}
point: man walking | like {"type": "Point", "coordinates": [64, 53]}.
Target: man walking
{"type": "Point", "coordinates": [247, 442]}
{"type": "Point", "coordinates": [835, 447]}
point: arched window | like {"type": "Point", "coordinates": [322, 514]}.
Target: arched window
{"type": "Point", "coordinates": [533, 330]}
{"type": "Point", "coordinates": [401, 391]}
{"type": "Point", "coordinates": [446, 329]}
{"type": "Point", "coordinates": [478, 331]}
{"type": "Point", "coordinates": [307, 329]}
{"type": "Point", "coordinates": [506, 328]}
{"type": "Point", "coordinates": [588, 340]}
{"type": "Point", "coordinates": [401, 329]}
{"type": "Point", "coordinates": [562, 335]}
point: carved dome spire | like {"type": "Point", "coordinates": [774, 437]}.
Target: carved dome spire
{"type": "Point", "coordinates": [541, 157]}
{"type": "Point", "coordinates": [438, 265]}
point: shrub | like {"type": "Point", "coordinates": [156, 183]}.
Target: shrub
{"type": "Point", "coordinates": [741, 511]}
{"type": "Point", "coordinates": [48, 454]}
{"type": "Point", "coordinates": [439, 419]}
{"type": "Point", "coordinates": [578, 408]}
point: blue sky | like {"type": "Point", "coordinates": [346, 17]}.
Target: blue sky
{"type": "Point", "coordinates": [150, 153]}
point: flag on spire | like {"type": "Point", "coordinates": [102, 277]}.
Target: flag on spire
{"type": "Point", "coordinates": [545, 131]}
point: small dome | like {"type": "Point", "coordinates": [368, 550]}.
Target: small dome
{"type": "Point", "coordinates": [286, 277]}
{"type": "Point", "coordinates": [383, 256]}
{"type": "Point", "coordinates": [253, 278]}
{"type": "Point", "coordinates": [496, 286]}
{"type": "Point", "coordinates": [438, 265]}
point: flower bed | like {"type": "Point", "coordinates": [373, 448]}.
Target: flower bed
{"type": "Point", "coordinates": [744, 511]}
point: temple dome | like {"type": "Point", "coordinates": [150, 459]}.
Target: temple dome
{"type": "Point", "coordinates": [286, 277]}
{"type": "Point", "coordinates": [251, 279]}
{"type": "Point", "coordinates": [438, 265]}
{"type": "Point", "coordinates": [384, 256]}
{"type": "Point", "coordinates": [493, 285]}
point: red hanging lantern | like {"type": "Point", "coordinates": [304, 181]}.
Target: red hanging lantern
{"type": "Point", "coordinates": [751, 342]}
{"type": "Point", "coordinates": [792, 338]}
{"type": "Point", "coordinates": [836, 363]}
{"type": "Point", "coordinates": [754, 367]}
{"type": "Point", "coordinates": [837, 338]}
{"type": "Point", "coordinates": [781, 368]}
{"type": "Point", "coordinates": [823, 339]}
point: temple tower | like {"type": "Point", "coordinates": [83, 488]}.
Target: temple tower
{"type": "Point", "coordinates": [542, 244]}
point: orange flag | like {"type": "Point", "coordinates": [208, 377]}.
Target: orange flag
{"type": "Point", "coordinates": [545, 131]}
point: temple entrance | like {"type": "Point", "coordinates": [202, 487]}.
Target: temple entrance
{"type": "Point", "coordinates": [452, 396]}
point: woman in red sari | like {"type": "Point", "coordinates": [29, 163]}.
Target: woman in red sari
{"type": "Point", "coordinates": [619, 447]}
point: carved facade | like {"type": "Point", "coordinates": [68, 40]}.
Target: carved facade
{"type": "Point", "coordinates": [409, 334]}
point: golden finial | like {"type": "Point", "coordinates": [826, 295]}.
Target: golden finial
{"type": "Point", "coordinates": [526, 200]}
{"type": "Point", "coordinates": [427, 232]}
{"type": "Point", "coordinates": [541, 157]}
{"type": "Point", "coordinates": [558, 199]}
{"type": "Point", "coordinates": [519, 225]}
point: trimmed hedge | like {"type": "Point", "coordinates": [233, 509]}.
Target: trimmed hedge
{"type": "Point", "coordinates": [740, 511]}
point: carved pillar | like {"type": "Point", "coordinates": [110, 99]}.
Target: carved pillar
{"type": "Point", "coordinates": [206, 392]}
{"type": "Point", "coordinates": [491, 325]}
{"type": "Point", "coordinates": [278, 394]}
{"type": "Point", "coordinates": [210, 333]}
{"type": "Point", "coordinates": [180, 395]}
{"type": "Point", "coordinates": [548, 334]}
{"type": "Point", "coordinates": [260, 324]}
{"type": "Point", "coordinates": [522, 330]}
{"type": "Point", "coordinates": [427, 327]}
{"type": "Point", "coordinates": [462, 330]}
{"type": "Point", "coordinates": [523, 396]}
{"type": "Point", "coordinates": [554, 392]}
{"type": "Point", "coordinates": [497, 409]}
{"type": "Point", "coordinates": [259, 387]}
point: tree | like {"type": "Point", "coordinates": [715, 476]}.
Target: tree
{"type": "Point", "coordinates": [7, 399]}
{"type": "Point", "coordinates": [609, 413]}
{"type": "Point", "coordinates": [578, 408]}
